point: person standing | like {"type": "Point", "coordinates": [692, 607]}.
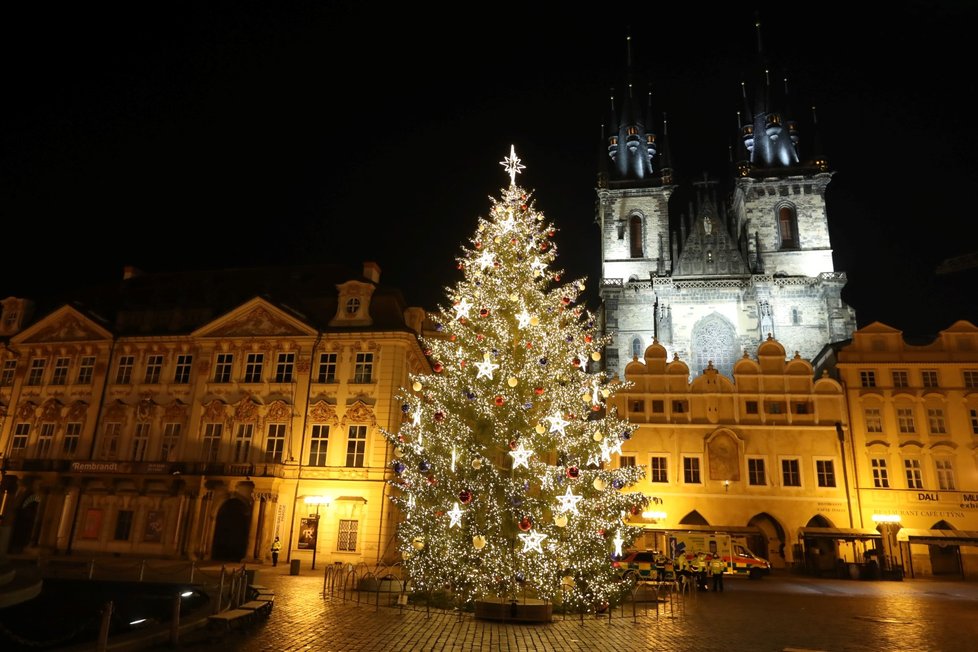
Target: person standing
{"type": "Point", "coordinates": [276, 548]}
{"type": "Point", "coordinates": [717, 566]}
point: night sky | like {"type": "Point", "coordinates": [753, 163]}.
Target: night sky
{"type": "Point", "coordinates": [174, 136]}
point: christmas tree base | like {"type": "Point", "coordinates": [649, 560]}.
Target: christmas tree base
{"type": "Point", "coordinates": [524, 611]}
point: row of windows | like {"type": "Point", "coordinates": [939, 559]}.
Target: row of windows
{"type": "Point", "coordinates": [241, 444]}
{"type": "Point", "coordinates": [346, 536]}
{"type": "Point", "coordinates": [658, 471]}
{"type": "Point", "coordinates": [750, 407]}
{"type": "Point", "coordinates": [928, 378]}
{"type": "Point", "coordinates": [254, 369]}
{"type": "Point", "coordinates": [906, 422]}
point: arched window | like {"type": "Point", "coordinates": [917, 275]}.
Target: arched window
{"type": "Point", "coordinates": [635, 236]}
{"type": "Point", "coordinates": [795, 316]}
{"type": "Point", "coordinates": [787, 228]}
{"type": "Point", "coordinates": [637, 347]}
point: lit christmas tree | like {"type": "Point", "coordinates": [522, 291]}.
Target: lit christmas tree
{"type": "Point", "coordinates": [500, 459]}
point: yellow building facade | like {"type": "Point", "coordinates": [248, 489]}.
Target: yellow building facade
{"type": "Point", "coordinates": [170, 427]}
{"type": "Point", "coordinates": [914, 416]}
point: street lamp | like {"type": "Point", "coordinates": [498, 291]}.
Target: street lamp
{"type": "Point", "coordinates": [317, 501]}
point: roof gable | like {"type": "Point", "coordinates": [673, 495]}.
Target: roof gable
{"type": "Point", "coordinates": [66, 324]}
{"type": "Point", "coordinates": [254, 318]}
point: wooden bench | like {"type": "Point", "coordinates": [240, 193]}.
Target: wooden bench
{"type": "Point", "coordinates": [260, 607]}
{"type": "Point", "coordinates": [227, 619]}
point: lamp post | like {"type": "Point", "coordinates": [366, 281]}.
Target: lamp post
{"type": "Point", "coordinates": [317, 501]}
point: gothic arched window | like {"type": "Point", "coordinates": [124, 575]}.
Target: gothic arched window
{"type": "Point", "coordinates": [787, 228]}
{"type": "Point", "coordinates": [636, 347]}
{"type": "Point", "coordinates": [714, 340]}
{"type": "Point", "coordinates": [635, 236]}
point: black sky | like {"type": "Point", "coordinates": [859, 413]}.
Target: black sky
{"type": "Point", "coordinates": [175, 136]}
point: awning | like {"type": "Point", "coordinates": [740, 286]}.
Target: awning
{"type": "Point", "coordinates": [848, 534]}
{"type": "Point", "coordinates": [938, 537]}
{"type": "Point", "coordinates": [723, 529]}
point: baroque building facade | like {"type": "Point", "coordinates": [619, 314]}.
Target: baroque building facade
{"type": "Point", "coordinates": [200, 415]}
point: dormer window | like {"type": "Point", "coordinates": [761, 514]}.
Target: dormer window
{"type": "Point", "coordinates": [352, 306]}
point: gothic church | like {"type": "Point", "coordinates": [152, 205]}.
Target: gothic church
{"type": "Point", "coordinates": [746, 263]}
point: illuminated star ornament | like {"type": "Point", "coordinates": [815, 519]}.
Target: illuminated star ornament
{"type": "Point", "coordinates": [485, 260]}
{"type": "Point", "coordinates": [521, 457]}
{"type": "Point", "coordinates": [507, 224]}
{"type": "Point", "coordinates": [524, 319]}
{"type": "Point", "coordinates": [557, 423]}
{"type": "Point", "coordinates": [512, 165]}
{"type": "Point", "coordinates": [532, 541]}
{"type": "Point", "coordinates": [462, 308]}
{"type": "Point", "coordinates": [486, 367]}
{"type": "Point", "coordinates": [568, 502]}
{"type": "Point", "coordinates": [455, 516]}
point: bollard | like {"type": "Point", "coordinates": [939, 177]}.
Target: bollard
{"type": "Point", "coordinates": [175, 621]}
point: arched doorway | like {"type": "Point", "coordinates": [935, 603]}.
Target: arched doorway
{"type": "Point", "coordinates": [24, 517]}
{"type": "Point", "coordinates": [231, 531]}
{"type": "Point", "coordinates": [771, 543]}
{"type": "Point", "coordinates": [820, 552]}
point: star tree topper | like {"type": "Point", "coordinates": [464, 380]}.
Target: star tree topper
{"type": "Point", "coordinates": [512, 165]}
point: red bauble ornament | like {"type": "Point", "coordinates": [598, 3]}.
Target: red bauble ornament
{"type": "Point", "coordinates": [499, 400]}
{"type": "Point", "coordinates": [526, 524]}
{"type": "Point", "coordinates": [601, 532]}
{"type": "Point", "coordinates": [543, 246]}
{"type": "Point", "coordinates": [465, 496]}
{"type": "Point", "coordinates": [479, 337]}
{"type": "Point", "coordinates": [512, 241]}
{"type": "Point", "coordinates": [551, 233]}
{"type": "Point", "coordinates": [484, 312]}
{"type": "Point", "coordinates": [557, 277]}
{"type": "Point", "coordinates": [439, 416]}
{"type": "Point", "coordinates": [513, 444]}
{"type": "Point", "coordinates": [573, 472]}
{"type": "Point", "coordinates": [636, 510]}
{"type": "Point", "coordinates": [587, 338]}
{"type": "Point", "coordinates": [478, 245]}
{"type": "Point", "coordinates": [576, 361]}
{"type": "Point", "coordinates": [538, 391]}
{"type": "Point", "coordinates": [566, 300]}
{"type": "Point", "coordinates": [461, 363]}
{"type": "Point", "coordinates": [438, 368]}
{"type": "Point", "coordinates": [432, 480]}
{"type": "Point", "coordinates": [452, 337]}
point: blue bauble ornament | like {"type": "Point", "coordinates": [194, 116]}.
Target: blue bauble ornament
{"type": "Point", "coordinates": [626, 435]}
{"type": "Point", "coordinates": [617, 484]}
{"type": "Point", "coordinates": [516, 501]}
{"type": "Point", "coordinates": [543, 361]}
{"type": "Point", "coordinates": [470, 396]}
{"type": "Point", "coordinates": [528, 406]}
{"type": "Point", "coordinates": [570, 338]}
{"type": "Point", "coordinates": [398, 468]}
{"type": "Point", "coordinates": [423, 466]}
{"type": "Point", "coordinates": [405, 408]}
{"type": "Point", "coordinates": [439, 327]}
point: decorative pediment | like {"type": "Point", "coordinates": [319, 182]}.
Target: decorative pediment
{"type": "Point", "coordinates": [257, 318]}
{"type": "Point", "coordinates": [78, 411]}
{"type": "Point", "coordinates": [63, 325]}
{"type": "Point", "coordinates": [246, 410]}
{"type": "Point", "coordinates": [27, 410]}
{"type": "Point", "coordinates": [323, 412]}
{"type": "Point", "coordinates": [215, 411]}
{"type": "Point", "coordinates": [359, 412]}
{"type": "Point", "coordinates": [279, 411]}
{"type": "Point", "coordinates": [117, 411]}
{"type": "Point", "coordinates": [175, 411]}
{"type": "Point", "coordinates": [51, 410]}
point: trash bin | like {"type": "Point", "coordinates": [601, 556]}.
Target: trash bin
{"type": "Point", "coordinates": [294, 567]}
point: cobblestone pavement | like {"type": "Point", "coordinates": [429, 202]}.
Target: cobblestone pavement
{"type": "Point", "coordinates": [778, 614]}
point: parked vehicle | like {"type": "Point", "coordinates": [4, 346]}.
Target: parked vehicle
{"type": "Point", "coordinates": [645, 566]}
{"type": "Point", "coordinates": [690, 548]}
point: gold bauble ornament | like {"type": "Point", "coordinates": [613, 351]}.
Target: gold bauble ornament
{"type": "Point", "coordinates": [418, 543]}
{"type": "Point", "coordinates": [605, 393]}
{"type": "Point", "coordinates": [599, 484]}
{"type": "Point", "coordinates": [477, 464]}
{"type": "Point", "coordinates": [567, 582]}
{"type": "Point", "coordinates": [540, 428]}
{"type": "Point", "coordinates": [534, 321]}
{"type": "Point", "coordinates": [479, 542]}
{"type": "Point", "coordinates": [416, 386]}
{"type": "Point", "coordinates": [560, 521]}
{"type": "Point", "coordinates": [512, 381]}
{"type": "Point", "coordinates": [597, 436]}
{"type": "Point", "coordinates": [513, 297]}
{"type": "Point", "coordinates": [595, 356]}
{"type": "Point", "coordinates": [587, 398]}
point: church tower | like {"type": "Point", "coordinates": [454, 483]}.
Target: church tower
{"type": "Point", "coordinates": [745, 262]}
